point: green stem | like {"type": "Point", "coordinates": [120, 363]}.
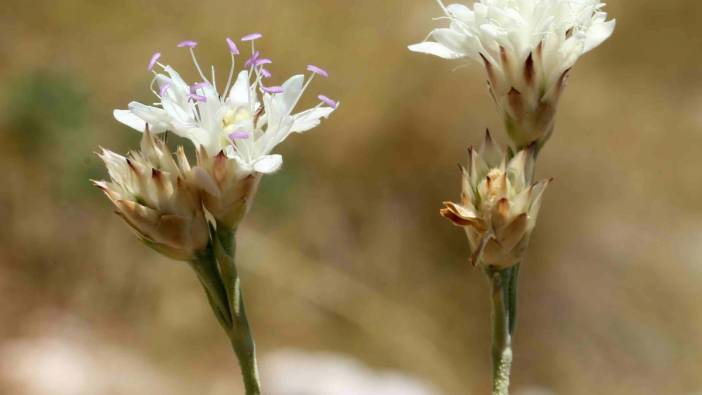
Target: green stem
{"type": "Point", "coordinates": [240, 333]}
{"type": "Point", "coordinates": [217, 272]}
{"type": "Point", "coordinates": [501, 334]}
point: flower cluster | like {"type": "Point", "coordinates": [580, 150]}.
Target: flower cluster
{"type": "Point", "coordinates": [154, 194]}
{"type": "Point", "coordinates": [499, 204]}
{"type": "Point", "coordinates": [234, 131]}
{"type": "Point", "coordinates": [527, 48]}
{"type": "Point", "coordinates": [246, 121]}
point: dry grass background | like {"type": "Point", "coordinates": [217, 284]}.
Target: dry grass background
{"type": "Point", "coordinates": [344, 250]}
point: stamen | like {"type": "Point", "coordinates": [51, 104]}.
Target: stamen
{"type": "Point", "coordinates": [265, 73]}
{"type": "Point", "coordinates": [272, 89]}
{"type": "Point", "coordinates": [164, 88]}
{"type": "Point", "coordinates": [261, 62]}
{"type": "Point", "coordinates": [239, 135]}
{"type": "Point", "coordinates": [318, 70]}
{"type": "Point", "coordinates": [154, 59]}
{"type": "Point", "coordinates": [187, 44]}
{"type": "Point", "coordinates": [331, 103]}
{"type": "Point", "coordinates": [302, 92]}
{"type": "Point", "coordinates": [214, 80]}
{"type": "Point", "coordinates": [197, 65]}
{"type": "Point", "coordinates": [198, 98]}
{"type": "Point", "coordinates": [232, 46]}
{"type": "Point", "coordinates": [231, 74]}
{"type": "Point", "coordinates": [253, 59]}
{"type": "Point", "coordinates": [252, 37]}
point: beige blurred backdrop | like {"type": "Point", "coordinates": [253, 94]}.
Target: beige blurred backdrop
{"type": "Point", "coordinates": [344, 250]}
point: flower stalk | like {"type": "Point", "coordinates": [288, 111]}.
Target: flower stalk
{"type": "Point", "coordinates": [216, 269]}
{"type": "Point", "coordinates": [502, 326]}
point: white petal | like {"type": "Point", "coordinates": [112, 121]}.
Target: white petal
{"type": "Point", "coordinates": [460, 11]}
{"type": "Point", "coordinates": [239, 93]}
{"type": "Point", "coordinates": [268, 164]}
{"type": "Point", "coordinates": [292, 88]}
{"type": "Point", "coordinates": [309, 119]}
{"type": "Point", "coordinates": [157, 118]}
{"type": "Point", "coordinates": [451, 39]}
{"type": "Point", "coordinates": [436, 49]}
{"type": "Point", "coordinates": [126, 117]}
{"type": "Point", "coordinates": [598, 33]}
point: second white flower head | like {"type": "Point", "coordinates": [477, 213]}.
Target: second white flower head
{"type": "Point", "coordinates": [245, 120]}
{"type": "Point", "coordinates": [527, 48]}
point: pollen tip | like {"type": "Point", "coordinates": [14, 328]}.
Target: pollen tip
{"type": "Point", "coordinates": [232, 46]}
{"type": "Point", "coordinates": [252, 37]}
{"type": "Point", "coordinates": [239, 135]}
{"type": "Point", "coordinates": [273, 89]}
{"type": "Point", "coordinates": [261, 62]}
{"type": "Point", "coordinates": [317, 70]}
{"type": "Point", "coordinates": [331, 103]}
{"type": "Point", "coordinates": [187, 44]}
{"type": "Point", "coordinates": [154, 58]}
{"type": "Point", "coordinates": [199, 98]}
{"type": "Point", "coordinates": [164, 88]}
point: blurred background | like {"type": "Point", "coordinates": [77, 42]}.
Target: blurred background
{"type": "Point", "coordinates": [347, 266]}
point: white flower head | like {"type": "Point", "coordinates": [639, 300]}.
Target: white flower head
{"type": "Point", "coordinates": [527, 48]}
{"type": "Point", "coordinates": [499, 204]}
{"type": "Point", "coordinates": [245, 120]}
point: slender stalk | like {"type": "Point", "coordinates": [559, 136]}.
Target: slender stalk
{"type": "Point", "coordinates": [240, 334]}
{"type": "Point", "coordinates": [245, 350]}
{"type": "Point", "coordinates": [501, 333]}
{"type": "Point", "coordinates": [217, 272]}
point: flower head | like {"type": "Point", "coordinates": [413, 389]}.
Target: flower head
{"type": "Point", "coordinates": [245, 120]}
{"type": "Point", "coordinates": [499, 204]}
{"type": "Point", "coordinates": [153, 194]}
{"type": "Point", "coordinates": [527, 48]}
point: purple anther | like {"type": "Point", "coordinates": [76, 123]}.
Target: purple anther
{"type": "Point", "coordinates": [273, 89]}
{"type": "Point", "coordinates": [198, 85]}
{"type": "Point", "coordinates": [164, 88]}
{"type": "Point", "coordinates": [252, 37]}
{"type": "Point", "coordinates": [261, 62]}
{"type": "Point", "coordinates": [187, 44]}
{"type": "Point", "coordinates": [318, 70]}
{"type": "Point", "coordinates": [199, 98]}
{"type": "Point", "coordinates": [154, 58]}
{"type": "Point", "coordinates": [331, 103]}
{"type": "Point", "coordinates": [239, 135]}
{"type": "Point", "coordinates": [232, 46]}
{"type": "Point", "coordinates": [253, 59]}
{"type": "Point", "coordinates": [265, 73]}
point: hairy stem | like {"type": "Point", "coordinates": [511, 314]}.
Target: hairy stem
{"type": "Point", "coordinates": [501, 330]}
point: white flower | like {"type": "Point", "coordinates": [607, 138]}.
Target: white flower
{"type": "Point", "coordinates": [246, 120]}
{"type": "Point", "coordinates": [499, 205]}
{"type": "Point", "coordinates": [153, 193]}
{"type": "Point", "coordinates": [527, 47]}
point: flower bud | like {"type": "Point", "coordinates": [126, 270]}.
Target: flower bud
{"type": "Point", "coordinates": [227, 189]}
{"type": "Point", "coordinates": [499, 205]}
{"type": "Point", "coordinates": [153, 194]}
